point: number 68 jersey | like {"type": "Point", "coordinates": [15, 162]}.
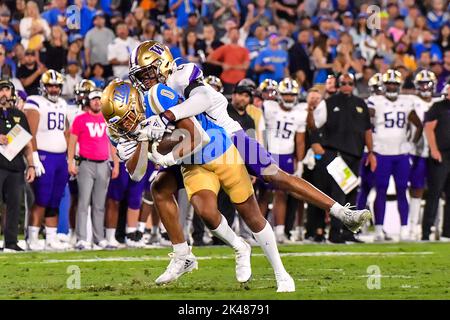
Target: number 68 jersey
{"type": "Point", "coordinates": [390, 124]}
{"type": "Point", "coordinates": [52, 123]}
{"type": "Point", "coordinates": [282, 125]}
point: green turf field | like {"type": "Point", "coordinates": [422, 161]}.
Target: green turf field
{"type": "Point", "coordinates": [408, 271]}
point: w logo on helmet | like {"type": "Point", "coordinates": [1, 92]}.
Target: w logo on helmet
{"type": "Point", "coordinates": [156, 48]}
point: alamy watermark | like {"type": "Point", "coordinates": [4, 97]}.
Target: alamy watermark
{"type": "Point", "coordinates": [74, 279]}
{"type": "Point", "coordinates": [374, 277]}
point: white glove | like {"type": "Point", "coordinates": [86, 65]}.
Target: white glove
{"type": "Point", "coordinates": [38, 166]}
{"type": "Point", "coordinates": [310, 160]}
{"type": "Point", "coordinates": [154, 127]}
{"type": "Point", "coordinates": [126, 148]}
{"type": "Point", "coordinates": [163, 160]}
{"type": "Point", "coordinates": [299, 171]}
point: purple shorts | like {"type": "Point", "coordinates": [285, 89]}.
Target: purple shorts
{"type": "Point", "coordinates": [418, 172]}
{"type": "Point", "coordinates": [124, 188]}
{"type": "Point", "coordinates": [49, 188]}
{"type": "Point", "coordinates": [255, 156]}
{"type": "Point", "coordinates": [285, 162]}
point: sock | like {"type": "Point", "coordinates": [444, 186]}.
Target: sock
{"type": "Point", "coordinates": [227, 235]}
{"type": "Point", "coordinates": [336, 211]}
{"type": "Point", "coordinates": [155, 229]}
{"type": "Point", "coordinates": [130, 230]}
{"type": "Point", "coordinates": [110, 234]}
{"type": "Point", "coordinates": [141, 226]}
{"type": "Point", "coordinates": [379, 229]}
{"type": "Point", "coordinates": [266, 239]}
{"type": "Point", "coordinates": [181, 249]}
{"type": "Point", "coordinates": [71, 232]}
{"type": "Point", "coordinates": [33, 233]}
{"type": "Point", "coordinates": [279, 230]}
{"type": "Point", "coordinates": [50, 234]}
{"type": "Point", "coordinates": [414, 212]}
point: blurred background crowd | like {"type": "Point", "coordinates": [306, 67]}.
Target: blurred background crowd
{"type": "Point", "coordinates": [306, 40]}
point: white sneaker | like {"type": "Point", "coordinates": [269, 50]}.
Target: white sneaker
{"type": "Point", "coordinates": [154, 238]}
{"type": "Point", "coordinates": [114, 244]}
{"type": "Point", "coordinates": [281, 238]}
{"type": "Point", "coordinates": [404, 233]}
{"type": "Point", "coordinates": [285, 283]}
{"type": "Point", "coordinates": [131, 243]}
{"type": "Point", "coordinates": [243, 263]}
{"type": "Point", "coordinates": [62, 237]}
{"type": "Point", "coordinates": [34, 245]}
{"type": "Point", "coordinates": [83, 245]}
{"type": "Point", "coordinates": [56, 245]}
{"type": "Point", "coordinates": [102, 244]}
{"type": "Point", "coordinates": [355, 219]}
{"type": "Point", "coordinates": [178, 266]}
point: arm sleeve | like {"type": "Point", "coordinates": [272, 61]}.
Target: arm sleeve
{"type": "Point", "coordinates": [320, 114]}
{"type": "Point", "coordinates": [198, 102]}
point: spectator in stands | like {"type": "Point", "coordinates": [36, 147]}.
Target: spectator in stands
{"type": "Point", "coordinates": [234, 60]}
{"type": "Point", "coordinates": [94, 172]}
{"type": "Point", "coordinates": [285, 33]}
{"type": "Point", "coordinates": [287, 10]}
{"type": "Point", "coordinates": [97, 75]}
{"type": "Point", "coordinates": [119, 51]}
{"type": "Point", "coordinates": [190, 49]}
{"type": "Point", "coordinates": [54, 53]}
{"type": "Point", "coordinates": [321, 59]}
{"type": "Point", "coordinates": [224, 10]}
{"type": "Point", "coordinates": [33, 29]}
{"type": "Point", "coordinates": [299, 60]}
{"type": "Point", "coordinates": [443, 40]}
{"type": "Point", "coordinates": [444, 77]}
{"type": "Point", "coordinates": [272, 62]}
{"type": "Point", "coordinates": [56, 16]}
{"type": "Point", "coordinates": [30, 72]}
{"type": "Point", "coordinates": [255, 44]}
{"type": "Point", "coordinates": [361, 85]}
{"type": "Point", "coordinates": [170, 39]}
{"type": "Point", "coordinates": [194, 24]}
{"type": "Point", "coordinates": [438, 15]}
{"type": "Point", "coordinates": [158, 14]}
{"type": "Point", "coordinates": [72, 78]}
{"type": "Point", "coordinates": [8, 36]}
{"type": "Point", "coordinates": [207, 45]}
{"type": "Point", "coordinates": [87, 13]}
{"type": "Point", "coordinates": [428, 45]}
{"type": "Point", "coordinates": [263, 15]}
{"type": "Point", "coordinates": [96, 43]}
{"type": "Point", "coordinates": [18, 14]}
{"type": "Point", "coordinates": [182, 8]}
{"type": "Point", "coordinates": [150, 32]}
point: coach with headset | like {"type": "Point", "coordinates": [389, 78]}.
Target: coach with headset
{"type": "Point", "coordinates": [12, 172]}
{"type": "Point", "coordinates": [344, 122]}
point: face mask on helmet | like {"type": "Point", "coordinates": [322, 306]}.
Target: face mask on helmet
{"type": "Point", "coordinates": [51, 91]}
{"type": "Point", "coordinates": [391, 90]}
{"type": "Point", "coordinates": [146, 77]}
{"type": "Point", "coordinates": [288, 100]}
{"type": "Point", "coordinates": [425, 89]}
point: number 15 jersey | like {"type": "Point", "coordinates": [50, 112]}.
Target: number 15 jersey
{"type": "Point", "coordinates": [390, 124]}
{"type": "Point", "coordinates": [282, 125]}
{"type": "Point", "coordinates": [52, 123]}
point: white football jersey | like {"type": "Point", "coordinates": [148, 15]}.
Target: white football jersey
{"type": "Point", "coordinates": [282, 125]}
{"type": "Point", "coordinates": [391, 124]}
{"type": "Point", "coordinates": [180, 79]}
{"type": "Point", "coordinates": [52, 123]}
{"type": "Point", "coordinates": [421, 106]}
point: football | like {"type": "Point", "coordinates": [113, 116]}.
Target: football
{"type": "Point", "coordinates": [167, 142]}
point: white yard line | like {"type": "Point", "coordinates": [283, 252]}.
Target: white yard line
{"type": "Point", "coordinates": [222, 257]}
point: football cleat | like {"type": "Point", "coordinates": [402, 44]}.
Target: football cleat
{"type": "Point", "coordinates": [34, 245]}
{"type": "Point", "coordinates": [355, 219]}
{"type": "Point", "coordinates": [285, 283]}
{"type": "Point", "coordinates": [56, 245]}
{"type": "Point", "coordinates": [243, 264]}
{"type": "Point", "coordinates": [83, 245]}
{"type": "Point", "coordinates": [179, 265]}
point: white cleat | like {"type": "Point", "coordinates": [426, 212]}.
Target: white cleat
{"type": "Point", "coordinates": [355, 219]}
{"type": "Point", "coordinates": [56, 245]}
{"type": "Point", "coordinates": [83, 245]}
{"type": "Point", "coordinates": [243, 264]}
{"type": "Point", "coordinates": [178, 266]}
{"type": "Point", "coordinates": [404, 234]}
{"type": "Point", "coordinates": [285, 283]}
{"type": "Point", "coordinates": [34, 245]}
{"type": "Point", "coordinates": [101, 245]}
{"type": "Point", "coordinates": [114, 244]}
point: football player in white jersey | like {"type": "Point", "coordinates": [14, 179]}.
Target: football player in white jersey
{"type": "Point", "coordinates": [391, 113]}
{"type": "Point", "coordinates": [269, 89]}
{"type": "Point", "coordinates": [286, 126]}
{"type": "Point", "coordinates": [151, 62]}
{"type": "Point", "coordinates": [47, 116]}
{"type": "Point", "coordinates": [425, 84]}
{"type": "Point", "coordinates": [367, 176]}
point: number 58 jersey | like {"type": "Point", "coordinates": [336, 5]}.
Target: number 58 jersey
{"type": "Point", "coordinates": [390, 124]}
{"type": "Point", "coordinates": [282, 125]}
{"type": "Point", "coordinates": [52, 123]}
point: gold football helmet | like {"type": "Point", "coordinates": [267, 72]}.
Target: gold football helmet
{"type": "Point", "coordinates": [122, 107]}
{"type": "Point", "coordinates": [392, 81]}
{"type": "Point", "coordinates": [268, 89]}
{"type": "Point", "coordinates": [214, 82]}
{"type": "Point", "coordinates": [82, 89]}
{"type": "Point", "coordinates": [288, 92]}
{"type": "Point", "coordinates": [375, 83]}
{"type": "Point", "coordinates": [151, 60]}
{"type": "Point", "coordinates": [425, 83]}
{"type": "Point", "coordinates": [51, 77]}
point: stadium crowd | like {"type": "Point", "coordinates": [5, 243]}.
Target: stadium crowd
{"type": "Point", "coordinates": [57, 56]}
